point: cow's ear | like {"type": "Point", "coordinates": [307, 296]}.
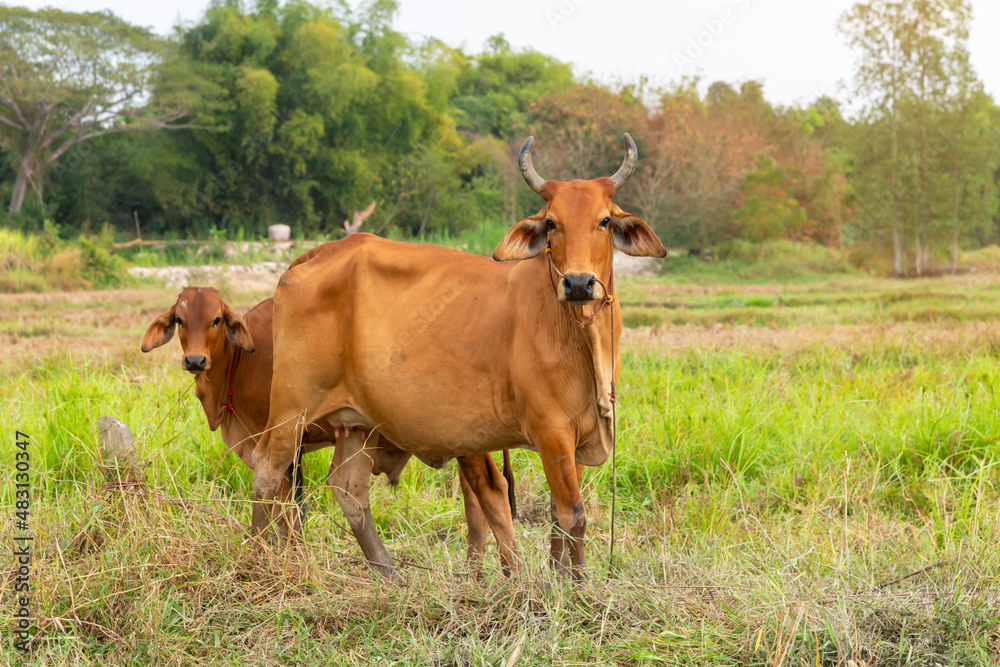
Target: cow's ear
{"type": "Point", "coordinates": [524, 240]}
{"type": "Point", "coordinates": [634, 237]}
{"type": "Point", "coordinates": [160, 331]}
{"type": "Point", "coordinates": [236, 329]}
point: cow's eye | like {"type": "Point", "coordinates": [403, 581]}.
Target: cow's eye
{"type": "Point", "coordinates": [605, 222]}
{"type": "Point", "coordinates": [549, 225]}
{"type": "Point", "coordinates": [217, 321]}
{"type": "Point", "coordinates": [179, 321]}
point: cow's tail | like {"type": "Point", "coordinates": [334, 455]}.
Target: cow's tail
{"type": "Point", "coordinates": [508, 474]}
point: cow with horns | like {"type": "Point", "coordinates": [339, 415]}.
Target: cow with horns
{"type": "Point", "coordinates": [454, 355]}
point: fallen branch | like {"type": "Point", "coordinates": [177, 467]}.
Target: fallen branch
{"type": "Point", "coordinates": [911, 574]}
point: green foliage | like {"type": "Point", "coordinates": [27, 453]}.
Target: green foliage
{"type": "Point", "coordinates": [98, 266]}
{"type": "Point", "coordinates": [769, 212]}
{"type": "Point", "coordinates": [303, 114]}
{"type": "Point", "coordinates": [739, 261]}
{"type": "Point", "coordinates": [41, 262]}
{"type": "Point", "coordinates": [70, 78]}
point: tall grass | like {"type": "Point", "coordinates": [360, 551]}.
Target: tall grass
{"type": "Point", "coordinates": [481, 238]}
{"type": "Point", "coordinates": [44, 262]}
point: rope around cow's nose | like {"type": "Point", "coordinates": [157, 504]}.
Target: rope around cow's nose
{"type": "Point", "coordinates": [609, 296]}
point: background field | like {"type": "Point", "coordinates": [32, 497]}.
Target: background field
{"type": "Point", "coordinates": [807, 475]}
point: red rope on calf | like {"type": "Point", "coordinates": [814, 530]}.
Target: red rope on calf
{"type": "Point", "coordinates": [229, 407]}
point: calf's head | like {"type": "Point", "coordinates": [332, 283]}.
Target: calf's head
{"type": "Point", "coordinates": [581, 225]}
{"type": "Point", "coordinates": [205, 321]}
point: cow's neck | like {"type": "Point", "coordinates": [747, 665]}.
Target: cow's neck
{"type": "Point", "coordinates": [212, 386]}
{"type": "Point", "coordinates": [600, 337]}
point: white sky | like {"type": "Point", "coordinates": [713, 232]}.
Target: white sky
{"type": "Point", "coordinates": [792, 45]}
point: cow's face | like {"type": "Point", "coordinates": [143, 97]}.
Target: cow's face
{"type": "Point", "coordinates": [204, 321]}
{"type": "Point", "coordinates": [582, 226]}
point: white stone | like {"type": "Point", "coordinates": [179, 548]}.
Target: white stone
{"type": "Point", "coordinates": [279, 232]}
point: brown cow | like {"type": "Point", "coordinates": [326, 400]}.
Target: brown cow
{"type": "Point", "coordinates": [456, 355]}
{"type": "Point", "coordinates": [202, 316]}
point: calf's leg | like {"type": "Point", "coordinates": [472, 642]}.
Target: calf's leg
{"type": "Point", "coordinates": [350, 472]}
{"type": "Point", "coordinates": [490, 488]}
{"type": "Point", "coordinates": [478, 525]}
{"type": "Point", "coordinates": [272, 458]}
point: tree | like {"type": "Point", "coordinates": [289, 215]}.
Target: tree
{"type": "Point", "coordinates": [769, 210]}
{"type": "Point", "coordinates": [913, 59]}
{"type": "Point", "coordinates": [874, 28]}
{"type": "Point", "coordinates": [68, 78]}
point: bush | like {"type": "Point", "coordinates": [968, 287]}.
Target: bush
{"type": "Point", "coordinates": [782, 261]}
{"type": "Point", "coordinates": [41, 262]}
{"type": "Point", "coordinates": [984, 259]}
{"type": "Point", "coordinates": [98, 266]}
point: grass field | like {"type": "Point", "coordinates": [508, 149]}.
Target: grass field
{"type": "Point", "coordinates": [808, 474]}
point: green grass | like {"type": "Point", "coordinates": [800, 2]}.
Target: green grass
{"type": "Point", "coordinates": [740, 262]}
{"type": "Point", "coordinates": [770, 503]}
{"type": "Point", "coordinates": [846, 300]}
{"type": "Point", "coordinates": [481, 238]}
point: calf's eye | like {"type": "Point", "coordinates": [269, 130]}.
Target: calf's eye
{"type": "Point", "coordinates": [217, 321]}
{"type": "Point", "coordinates": [549, 225]}
{"type": "Point", "coordinates": [605, 222]}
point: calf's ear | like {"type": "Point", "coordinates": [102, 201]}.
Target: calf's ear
{"type": "Point", "coordinates": [634, 237]}
{"type": "Point", "coordinates": [160, 331]}
{"type": "Point", "coordinates": [524, 240]}
{"type": "Point", "coordinates": [236, 329]}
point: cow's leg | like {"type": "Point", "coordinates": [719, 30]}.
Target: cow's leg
{"type": "Point", "coordinates": [557, 454]}
{"type": "Point", "coordinates": [490, 488]}
{"type": "Point", "coordinates": [296, 476]}
{"type": "Point", "coordinates": [478, 526]}
{"type": "Point", "coordinates": [271, 458]}
{"type": "Point", "coordinates": [350, 471]}
{"type": "Point", "coordinates": [558, 554]}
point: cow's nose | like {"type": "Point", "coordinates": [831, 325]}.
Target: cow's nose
{"type": "Point", "coordinates": [194, 363]}
{"type": "Point", "coordinates": [579, 286]}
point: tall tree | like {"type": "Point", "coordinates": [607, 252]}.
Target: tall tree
{"type": "Point", "coordinates": [68, 78]}
{"type": "Point", "coordinates": [874, 28]}
{"type": "Point", "coordinates": [913, 59]}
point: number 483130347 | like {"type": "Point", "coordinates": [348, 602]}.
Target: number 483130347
{"type": "Point", "coordinates": [22, 458]}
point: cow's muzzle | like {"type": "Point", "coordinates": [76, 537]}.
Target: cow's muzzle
{"type": "Point", "coordinates": [195, 363]}
{"type": "Point", "coordinates": [578, 288]}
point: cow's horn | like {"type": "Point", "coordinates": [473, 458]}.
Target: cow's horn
{"type": "Point", "coordinates": [628, 165]}
{"type": "Point", "coordinates": [531, 177]}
